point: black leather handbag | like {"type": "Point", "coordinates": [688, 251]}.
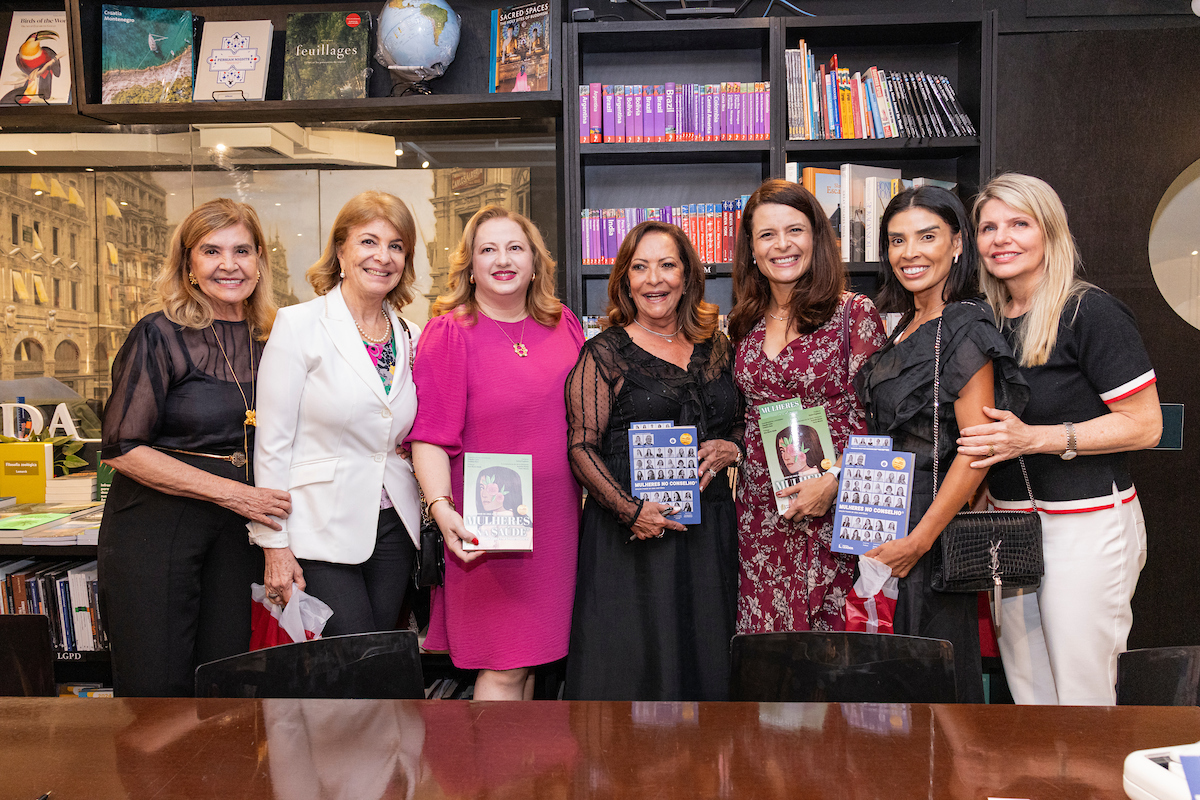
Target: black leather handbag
{"type": "Point", "coordinates": [981, 551]}
{"type": "Point", "coordinates": [429, 563]}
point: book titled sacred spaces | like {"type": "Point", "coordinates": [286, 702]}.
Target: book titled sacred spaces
{"type": "Point", "coordinates": [36, 70]}
{"type": "Point", "coordinates": [498, 501]}
{"type": "Point", "coordinates": [146, 55]}
{"type": "Point", "coordinates": [797, 444]}
{"type": "Point", "coordinates": [327, 55]}
{"type": "Point", "coordinates": [520, 48]}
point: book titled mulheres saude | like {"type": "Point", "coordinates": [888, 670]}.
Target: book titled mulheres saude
{"type": "Point", "coordinates": [36, 70]}
{"type": "Point", "coordinates": [498, 501]}
{"type": "Point", "coordinates": [146, 55]}
{"type": "Point", "coordinates": [874, 495]}
{"type": "Point", "coordinates": [797, 444]}
{"type": "Point", "coordinates": [234, 58]}
{"type": "Point", "coordinates": [327, 55]}
{"type": "Point", "coordinates": [664, 467]}
{"type": "Point", "coordinates": [520, 48]}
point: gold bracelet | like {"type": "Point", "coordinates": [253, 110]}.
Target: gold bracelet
{"type": "Point", "coordinates": [449, 500]}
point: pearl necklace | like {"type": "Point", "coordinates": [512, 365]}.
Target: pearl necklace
{"type": "Point", "coordinates": [387, 334]}
{"type": "Point", "coordinates": [666, 336]}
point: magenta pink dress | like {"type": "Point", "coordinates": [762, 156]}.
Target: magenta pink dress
{"type": "Point", "coordinates": [474, 394]}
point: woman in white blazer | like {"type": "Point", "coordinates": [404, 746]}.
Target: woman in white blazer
{"type": "Point", "coordinates": [336, 398]}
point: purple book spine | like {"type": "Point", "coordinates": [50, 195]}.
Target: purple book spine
{"type": "Point", "coordinates": [669, 105]}
{"type": "Point", "coordinates": [622, 119]}
{"type": "Point", "coordinates": [585, 106]}
{"type": "Point", "coordinates": [648, 113]}
{"type": "Point", "coordinates": [596, 117]}
{"type": "Point", "coordinates": [610, 115]}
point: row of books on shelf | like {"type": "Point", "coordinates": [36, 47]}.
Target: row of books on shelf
{"type": "Point", "coordinates": [731, 111]}
{"type": "Point", "coordinates": [591, 325]}
{"type": "Point", "coordinates": [826, 101]}
{"type": "Point", "coordinates": [711, 227]}
{"type": "Point", "coordinates": [64, 591]}
{"type": "Point", "coordinates": [51, 524]}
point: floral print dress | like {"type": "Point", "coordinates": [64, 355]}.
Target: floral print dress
{"type": "Point", "coordinates": [790, 579]}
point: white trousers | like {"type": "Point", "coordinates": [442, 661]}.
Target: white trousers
{"type": "Point", "coordinates": [1060, 642]}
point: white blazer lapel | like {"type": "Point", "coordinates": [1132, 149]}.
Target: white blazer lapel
{"type": "Point", "coordinates": [342, 331]}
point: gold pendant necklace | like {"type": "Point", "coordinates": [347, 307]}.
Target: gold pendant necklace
{"type": "Point", "coordinates": [241, 459]}
{"type": "Point", "coordinates": [519, 346]}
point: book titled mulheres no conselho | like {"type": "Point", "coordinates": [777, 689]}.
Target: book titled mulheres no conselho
{"type": "Point", "coordinates": [327, 55]}
{"type": "Point", "coordinates": [498, 501]}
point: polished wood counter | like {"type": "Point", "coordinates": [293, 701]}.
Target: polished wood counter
{"type": "Point", "coordinates": [368, 749]}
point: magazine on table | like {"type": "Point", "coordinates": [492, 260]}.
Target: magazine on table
{"type": "Point", "coordinates": [498, 501]}
{"type": "Point", "coordinates": [797, 444]}
{"type": "Point", "coordinates": [874, 495]}
{"type": "Point", "coordinates": [664, 467]}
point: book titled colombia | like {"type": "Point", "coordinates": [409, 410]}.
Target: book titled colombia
{"type": "Point", "coordinates": [327, 55]}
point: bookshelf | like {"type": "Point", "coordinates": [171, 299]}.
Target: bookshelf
{"type": "Point", "coordinates": [962, 47]}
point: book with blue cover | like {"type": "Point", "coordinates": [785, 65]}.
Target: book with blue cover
{"type": "Point", "coordinates": [146, 55]}
{"type": "Point", "coordinates": [664, 467]}
{"type": "Point", "coordinates": [874, 495]}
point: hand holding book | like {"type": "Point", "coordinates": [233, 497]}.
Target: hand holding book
{"type": "Point", "coordinates": [811, 498]}
{"type": "Point", "coordinates": [653, 521]}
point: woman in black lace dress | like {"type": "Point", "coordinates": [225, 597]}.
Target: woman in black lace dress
{"type": "Point", "coordinates": [654, 600]}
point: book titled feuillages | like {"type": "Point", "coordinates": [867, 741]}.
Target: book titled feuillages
{"type": "Point", "coordinates": [874, 495]}
{"type": "Point", "coordinates": [664, 467]}
{"type": "Point", "coordinates": [498, 501]}
{"type": "Point", "coordinates": [797, 444]}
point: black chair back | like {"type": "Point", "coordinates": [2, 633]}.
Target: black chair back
{"type": "Point", "coordinates": [1159, 676]}
{"type": "Point", "coordinates": [26, 656]}
{"type": "Point", "coordinates": [841, 667]}
{"type": "Point", "coordinates": [383, 665]}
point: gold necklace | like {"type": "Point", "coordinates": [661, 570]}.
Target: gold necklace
{"type": "Point", "coordinates": [243, 458]}
{"type": "Point", "coordinates": [519, 346]}
{"type": "Point", "coordinates": [387, 335]}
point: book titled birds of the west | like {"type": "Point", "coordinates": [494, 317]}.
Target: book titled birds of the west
{"type": "Point", "coordinates": [36, 69]}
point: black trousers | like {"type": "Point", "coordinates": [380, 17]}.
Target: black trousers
{"type": "Point", "coordinates": [365, 597]}
{"type": "Point", "coordinates": [174, 579]}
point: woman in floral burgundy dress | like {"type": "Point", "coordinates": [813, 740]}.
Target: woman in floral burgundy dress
{"type": "Point", "coordinates": [798, 334]}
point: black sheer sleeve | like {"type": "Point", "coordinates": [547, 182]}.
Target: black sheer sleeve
{"type": "Point", "coordinates": [141, 375]}
{"type": "Point", "coordinates": [592, 389]}
{"type": "Point", "coordinates": [720, 368]}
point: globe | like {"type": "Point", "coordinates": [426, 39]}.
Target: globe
{"type": "Point", "coordinates": [418, 38]}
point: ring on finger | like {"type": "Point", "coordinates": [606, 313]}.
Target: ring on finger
{"type": "Point", "coordinates": [712, 472]}
{"type": "Point", "coordinates": [991, 450]}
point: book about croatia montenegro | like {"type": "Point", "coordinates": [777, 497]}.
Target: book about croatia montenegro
{"type": "Point", "coordinates": [146, 55]}
{"type": "Point", "coordinates": [36, 70]}
{"type": "Point", "coordinates": [498, 501]}
{"type": "Point", "coordinates": [520, 49]}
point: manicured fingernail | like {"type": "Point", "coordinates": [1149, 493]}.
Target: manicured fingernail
{"type": "Point", "coordinates": [475, 542]}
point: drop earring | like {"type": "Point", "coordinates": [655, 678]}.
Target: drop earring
{"type": "Point", "coordinates": [192, 278]}
{"type": "Point", "coordinates": [471, 278]}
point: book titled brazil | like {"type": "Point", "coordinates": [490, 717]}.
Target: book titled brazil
{"type": "Point", "coordinates": [796, 442]}
{"type": "Point", "coordinates": [498, 501]}
{"type": "Point", "coordinates": [327, 55]}
{"type": "Point", "coordinates": [874, 496]}
{"type": "Point", "coordinates": [146, 55]}
{"type": "Point", "coordinates": [663, 467]}
{"type": "Point", "coordinates": [35, 69]}
{"type": "Point", "coordinates": [520, 49]}
{"type": "Point", "coordinates": [234, 58]}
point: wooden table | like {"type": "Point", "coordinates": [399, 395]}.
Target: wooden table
{"type": "Point", "coordinates": [367, 749]}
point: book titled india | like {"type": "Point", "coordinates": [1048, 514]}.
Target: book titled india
{"type": "Point", "coordinates": [327, 55]}
{"type": "Point", "coordinates": [664, 467]}
{"type": "Point", "coordinates": [874, 495]}
{"type": "Point", "coordinates": [145, 55]}
{"type": "Point", "coordinates": [234, 58]}
{"type": "Point", "coordinates": [520, 49]}
{"type": "Point", "coordinates": [498, 501]}
{"type": "Point", "coordinates": [797, 444]}
{"type": "Point", "coordinates": [36, 70]}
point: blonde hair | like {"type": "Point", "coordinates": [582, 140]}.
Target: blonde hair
{"type": "Point", "coordinates": [183, 303]}
{"type": "Point", "coordinates": [360, 210]}
{"type": "Point", "coordinates": [1060, 278]}
{"type": "Point", "coordinates": [541, 302]}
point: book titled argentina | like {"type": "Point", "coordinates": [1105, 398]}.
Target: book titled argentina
{"type": "Point", "coordinates": [498, 501]}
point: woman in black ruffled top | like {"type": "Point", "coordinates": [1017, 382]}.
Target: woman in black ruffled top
{"type": "Point", "coordinates": [926, 239]}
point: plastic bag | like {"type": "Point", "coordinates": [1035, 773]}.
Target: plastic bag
{"type": "Point", "coordinates": [871, 604]}
{"type": "Point", "coordinates": [302, 619]}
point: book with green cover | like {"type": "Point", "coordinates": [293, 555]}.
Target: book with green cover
{"type": "Point", "coordinates": [498, 501]}
{"type": "Point", "coordinates": [146, 55]}
{"type": "Point", "coordinates": [327, 55]}
{"type": "Point", "coordinates": [797, 444]}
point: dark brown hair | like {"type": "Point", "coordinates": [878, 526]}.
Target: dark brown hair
{"type": "Point", "coordinates": [816, 295]}
{"type": "Point", "coordinates": [697, 318]}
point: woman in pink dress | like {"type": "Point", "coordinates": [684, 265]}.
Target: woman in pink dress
{"type": "Point", "coordinates": [798, 333]}
{"type": "Point", "coordinates": [490, 371]}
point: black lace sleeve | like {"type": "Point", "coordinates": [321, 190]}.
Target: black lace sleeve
{"type": "Point", "coordinates": [720, 368]}
{"type": "Point", "coordinates": [592, 389]}
{"type": "Point", "coordinates": [141, 375]}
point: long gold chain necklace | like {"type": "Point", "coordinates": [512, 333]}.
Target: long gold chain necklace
{"type": "Point", "coordinates": [519, 346]}
{"type": "Point", "coordinates": [241, 459]}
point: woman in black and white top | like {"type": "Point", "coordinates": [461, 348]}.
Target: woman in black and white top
{"type": "Point", "coordinates": [1093, 399]}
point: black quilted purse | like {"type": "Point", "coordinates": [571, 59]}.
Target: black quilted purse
{"type": "Point", "coordinates": [981, 551]}
{"type": "Point", "coordinates": [429, 563]}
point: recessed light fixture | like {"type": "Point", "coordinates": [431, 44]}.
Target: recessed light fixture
{"type": "Point", "coordinates": [424, 165]}
{"type": "Point", "coordinates": [399, 151]}
{"type": "Point", "coordinates": [1196, 252]}
{"type": "Point", "coordinates": [220, 148]}
{"type": "Point", "coordinates": [88, 169]}
{"type": "Point", "coordinates": [124, 203]}
{"type": "Point", "coordinates": [279, 204]}
{"type": "Point", "coordinates": [299, 234]}
{"type": "Point", "coordinates": [37, 193]}
{"type": "Point", "coordinates": [32, 152]}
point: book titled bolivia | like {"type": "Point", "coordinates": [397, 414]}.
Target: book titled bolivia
{"type": "Point", "coordinates": [520, 48]}
{"type": "Point", "coordinates": [146, 55]}
{"type": "Point", "coordinates": [35, 69]}
{"type": "Point", "coordinates": [797, 444]}
{"type": "Point", "coordinates": [327, 55]}
{"type": "Point", "coordinates": [234, 58]}
{"type": "Point", "coordinates": [498, 501]}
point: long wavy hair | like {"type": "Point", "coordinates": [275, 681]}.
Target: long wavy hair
{"type": "Point", "coordinates": [541, 302]}
{"type": "Point", "coordinates": [963, 281]}
{"type": "Point", "coordinates": [697, 318]}
{"type": "Point", "coordinates": [816, 295]}
{"type": "Point", "coordinates": [183, 303]}
{"type": "Point", "coordinates": [1060, 283]}
{"type": "Point", "coordinates": [359, 210]}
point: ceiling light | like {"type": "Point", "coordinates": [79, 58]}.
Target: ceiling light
{"type": "Point", "coordinates": [88, 169]}
{"type": "Point", "coordinates": [424, 165]}
{"type": "Point", "coordinates": [220, 148]}
{"type": "Point", "coordinates": [1196, 252]}
{"type": "Point", "coordinates": [279, 204]}
{"type": "Point", "coordinates": [124, 203]}
{"type": "Point", "coordinates": [37, 193]}
{"type": "Point", "coordinates": [399, 151]}
{"type": "Point", "coordinates": [32, 152]}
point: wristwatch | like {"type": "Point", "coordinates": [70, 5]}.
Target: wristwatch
{"type": "Point", "coordinates": [1070, 452]}
{"type": "Point", "coordinates": [836, 472]}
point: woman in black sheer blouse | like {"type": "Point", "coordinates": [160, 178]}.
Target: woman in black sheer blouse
{"type": "Point", "coordinates": [654, 600]}
{"type": "Point", "coordinates": [175, 561]}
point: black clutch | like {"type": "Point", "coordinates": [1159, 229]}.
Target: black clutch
{"type": "Point", "coordinates": [429, 564]}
